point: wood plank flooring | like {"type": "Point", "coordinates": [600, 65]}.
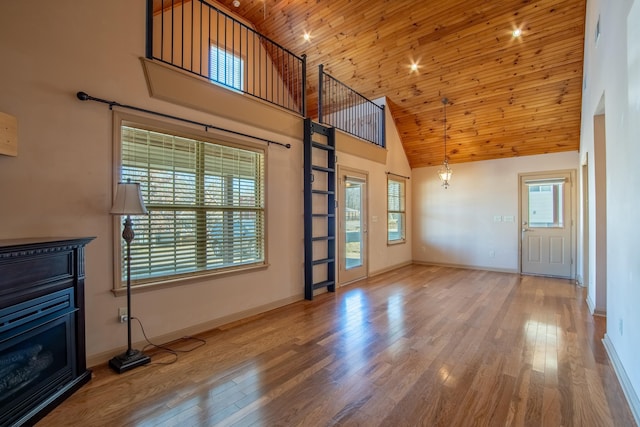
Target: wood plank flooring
{"type": "Point", "coordinates": [421, 345]}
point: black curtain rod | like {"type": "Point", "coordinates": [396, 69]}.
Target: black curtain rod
{"type": "Point", "coordinates": [395, 174]}
{"type": "Point", "coordinates": [83, 96]}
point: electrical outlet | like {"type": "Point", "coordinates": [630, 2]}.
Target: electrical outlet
{"type": "Point", "coordinates": [123, 314]}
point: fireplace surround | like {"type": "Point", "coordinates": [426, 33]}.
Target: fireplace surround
{"type": "Point", "coordinates": [42, 332]}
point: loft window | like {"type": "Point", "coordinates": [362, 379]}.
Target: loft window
{"type": "Point", "coordinates": [226, 68]}
{"type": "Point", "coordinates": [395, 210]}
{"type": "Point", "coordinates": [205, 201]}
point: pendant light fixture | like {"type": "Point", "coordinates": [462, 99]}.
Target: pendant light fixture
{"type": "Point", "coordinates": [445, 171]}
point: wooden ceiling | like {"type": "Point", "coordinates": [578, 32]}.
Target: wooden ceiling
{"type": "Point", "coordinates": [508, 96]}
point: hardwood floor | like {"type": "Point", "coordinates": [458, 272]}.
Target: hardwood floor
{"type": "Point", "coordinates": [421, 345]}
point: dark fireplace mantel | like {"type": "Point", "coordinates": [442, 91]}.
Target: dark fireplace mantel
{"type": "Point", "coordinates": [42, 326]}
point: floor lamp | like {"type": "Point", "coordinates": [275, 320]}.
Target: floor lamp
{"type": "Point", "coordinates": [128, 202]}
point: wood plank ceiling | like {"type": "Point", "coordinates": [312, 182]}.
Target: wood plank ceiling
{"type": "Point", "coordinates": [508, 96]}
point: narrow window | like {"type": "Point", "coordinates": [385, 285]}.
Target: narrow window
{"type": "Point", "coordinates": [205, 203]}
{"type": "Point", "coordinates": [395, 210]}
{"type": "Point", "coordinates": [226, 68]}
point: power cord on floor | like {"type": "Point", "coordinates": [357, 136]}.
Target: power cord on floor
{"type": "Point", "coordinates": [164, 348]}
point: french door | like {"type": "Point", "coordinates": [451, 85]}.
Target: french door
{"type": "Point", "coordinates": [352, 233]}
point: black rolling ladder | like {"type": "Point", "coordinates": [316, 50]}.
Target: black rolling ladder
{"type": "Point", "coordinates": [319, 208]}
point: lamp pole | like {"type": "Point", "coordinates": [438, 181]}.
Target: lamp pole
{"type": "Point", "coordinates": [128, 235]}
{"type": "Point", "coordinates": [128, 202]}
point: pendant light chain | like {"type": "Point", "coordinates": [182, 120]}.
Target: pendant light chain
{"type": "Point", "coordinates": [445, 172]}
{"type": "Point", "coordinates": [444, 102]}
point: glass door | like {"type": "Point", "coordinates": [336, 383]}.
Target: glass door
{"type": "Point", "coordinates": [353, 227]}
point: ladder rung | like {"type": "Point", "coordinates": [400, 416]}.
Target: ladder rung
{"type": "Point", "coordinates": [323, 146]}
{"type": "Point", "coordinates": [319, 215]}
{"type": "Point", "coordinates": [323, 284]}
{"type": "Point", "coordinates": [322, 261]}
{"type": "Point", "coordinates": [322, 192]}
{"type": "Point", "coordinates": [322, 168]}
{"type": "Point", "coordinates": [321, 238]}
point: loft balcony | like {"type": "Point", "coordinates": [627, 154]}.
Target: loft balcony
{"type": "Point", "coordinates": [205, 41]}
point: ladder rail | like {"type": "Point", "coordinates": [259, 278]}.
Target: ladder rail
{"type": "Point", "coordinates": [328, 172]}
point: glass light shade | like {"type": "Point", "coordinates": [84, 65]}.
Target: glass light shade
{"type": "Point", "coordinates": [445, 173]}
{"type": "Point", "coordinates": [128, 200]}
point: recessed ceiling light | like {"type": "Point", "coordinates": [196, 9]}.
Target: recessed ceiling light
{"type": "Point", "coordinates": [236, 3]}
{"type": "Point", "coordinates": [517, 32]}
{"type": "Point", "coordinates": [414, 66]}
{"type": "Point", "coordinates": [306, 36]}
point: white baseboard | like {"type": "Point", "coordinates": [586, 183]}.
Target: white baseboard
{"type": "Point", "coordinates": [592, 308]}
{"type": "Point", "coordinates": [591, 305]}
{"type": "Point", "coordinates": [625, 383]}
{"type": "Point", "coordinates": [102, 358]}
{"type": "Point", "coordinates": [468, 267]}
{"type": "Point", "coordinates": [376, 273]}
{"type": "Point", "coordinates": [388, 269]}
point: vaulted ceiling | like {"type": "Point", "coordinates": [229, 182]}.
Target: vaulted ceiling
{"type": "Point", "coordinates": [508, 96]}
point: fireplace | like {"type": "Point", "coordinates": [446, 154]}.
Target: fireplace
{"type": "Point", "coordinates": [42, 344]}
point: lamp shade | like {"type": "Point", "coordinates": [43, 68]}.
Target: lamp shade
{"type": "Point", "coordinates": [445, 173]}
{"type": "Point", "coordinates": [128, 200]}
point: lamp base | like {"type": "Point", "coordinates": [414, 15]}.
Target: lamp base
{"type": "Point", "coordinates": [128, 360]}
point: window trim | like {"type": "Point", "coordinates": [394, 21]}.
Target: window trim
{"type": "Point", "coordinates": [403, 212]}
{"type": "Point", "coordinates": [144, 121]}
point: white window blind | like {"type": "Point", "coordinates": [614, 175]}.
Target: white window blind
{"type": "Point", "coordinates": [205, 203]}
{"type": "Point", "coordinates": [395, 210]}
{"type": "Point", "coordinates": [226, 68]}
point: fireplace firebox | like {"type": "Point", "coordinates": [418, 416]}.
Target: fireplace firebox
{"type": "Point", "coordinates": [42, 334]}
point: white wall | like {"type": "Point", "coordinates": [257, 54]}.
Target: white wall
{"type": "Point", "coordinates": [381, 256]}
{"type": "Point", "coordinates": [612, 73]}
{"type": "Point", "coordinates": [60, 184]}
{"type": "Point", "coordinates": [455, 226]}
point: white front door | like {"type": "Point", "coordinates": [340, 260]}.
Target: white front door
{"type": "Point", "coordinates": [547, 224]}
{"type": "Point", "coordinates": [352, 236]}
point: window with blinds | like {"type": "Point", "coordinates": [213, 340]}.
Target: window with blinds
{"type": "Point", "coordinates": [205, 203]}
{"type": "Point", "coordinates": [226, 68]}
{"type": "Point", "coordinates": [395, 210]}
